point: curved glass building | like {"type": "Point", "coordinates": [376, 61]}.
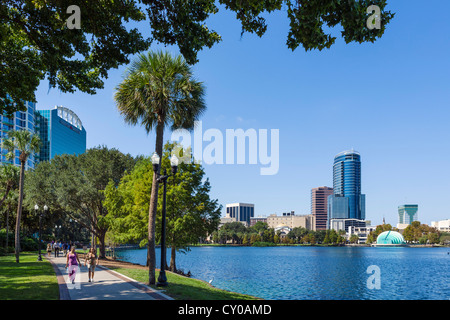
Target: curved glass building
{"type": "Point", "coordinates": [61, 132]}
{"type": "Point", "coordinates": [347, 202]}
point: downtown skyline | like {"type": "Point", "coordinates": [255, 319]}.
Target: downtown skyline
{"type": "Point", "coordinates": [388, 100]}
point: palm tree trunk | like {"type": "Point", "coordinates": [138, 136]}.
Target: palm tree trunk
{"type": "Point", "coordinates": [151, 256]}
{"type": "Point", "coordinates": [19, 209]}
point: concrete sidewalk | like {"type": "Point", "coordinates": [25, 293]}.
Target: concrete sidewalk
{"type": "Point", "coordinates": [108, 284]}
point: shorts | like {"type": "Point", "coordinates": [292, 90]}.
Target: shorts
{"type": "Point", "coordinates": [72, 271]}
{"type": "Point", "coordinates": [91, 267]}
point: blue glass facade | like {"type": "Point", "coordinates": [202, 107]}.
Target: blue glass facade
{"type": "Point", "coordinates": [241, 211]}
{"type": "Point", "coordinates": [61, 132]}
{"type": "Point", "coordinates": [21, 120]}
{"type": "Point", "coordinates": [407, 213]}
{"type": "Point", "coordinates": [347, 202]}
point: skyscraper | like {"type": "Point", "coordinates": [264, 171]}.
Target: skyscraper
{"type": "Point", "coordinates": [20, 120]}
{"type": "Point", "coordinates": [407, 213]}
{"type": "Point", "coordinates": [347, 202]}
{"type": "Point", "coordinates": [240, 211]}
{"type": "Point", "coordinates": [319, 206]}
{"type": "Point", "coordinates": [61, 132]}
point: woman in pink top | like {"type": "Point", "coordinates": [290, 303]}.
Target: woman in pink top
{"type": "Point", "coordinates": [73, 262]}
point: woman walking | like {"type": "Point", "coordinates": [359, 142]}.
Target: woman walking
{"type": "Point", "coordinates": [73, 262]}
{"type": "Point", "coordinates": [49, 250]}
{"type": "Point", "coordinates": [92, 261]}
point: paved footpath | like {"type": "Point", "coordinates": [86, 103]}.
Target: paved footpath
{"type": "Point", "coordinates": [108, 284]}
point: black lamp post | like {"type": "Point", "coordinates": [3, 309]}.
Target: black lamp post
{"type": "Point", "coordinates": [36, 208]}
{"type": "Point", "coordinates": [162, 279]}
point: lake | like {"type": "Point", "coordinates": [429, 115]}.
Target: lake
{"type": "Point", "coordinates": [317, 273]}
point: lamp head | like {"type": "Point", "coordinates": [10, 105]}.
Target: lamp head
{"type": "Point", "coordinates": [155, 161]}
{"type": "Point", "coordinates": [174, 163]}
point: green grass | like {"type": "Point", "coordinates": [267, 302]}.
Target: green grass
{"type": "Point", "coordinates": [184, 288]}
{"type": "Point", "coordinates": [27, 280]}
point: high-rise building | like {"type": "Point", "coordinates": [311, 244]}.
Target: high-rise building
{"type": "Point", "coordinates": [319, 206]}
{"type": "Point", "coordinates": [346, 202]}
{"type": "Point", "coordinates": [20, 120]}
{"type": "Point", "coordinates": [61, 132]}
{"type": "Point", "coordinates": [407, 213]}
{"type": "Point", "coordinates": [240, 212]}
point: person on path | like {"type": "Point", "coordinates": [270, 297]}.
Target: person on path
{"type": "Point", "coordinates": [91, 260]}
{"type": "Point", "coordinates": [72, 262]}
{"type": "Point", "coordinates": [49, 249]}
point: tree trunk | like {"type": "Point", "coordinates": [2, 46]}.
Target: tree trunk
{"type": "Point", "coordinates": [173, 266]}
{"type": "Point", "coordinates": [8, 188]}
{"type": "Point", "coordinates": [19, 210]}
{"type": "Point", "coordinates": [7, 227]}
{"type": "Point", "coordinates": [101, 239]}
{"type": "Point", "coordinates": [151, 256]}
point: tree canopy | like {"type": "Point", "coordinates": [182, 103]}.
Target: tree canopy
{"type": "Point", "coordinates": [37, 43]}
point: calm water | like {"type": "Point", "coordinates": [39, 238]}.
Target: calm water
{"type": "Point", "coordinates": [297, 273]}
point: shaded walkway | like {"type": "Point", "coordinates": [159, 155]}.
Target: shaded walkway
{"type": "Point", "coordinates": [108, 285]}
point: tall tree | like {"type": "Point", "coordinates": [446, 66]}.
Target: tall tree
{"type": "Point", "coordinates": [26, 144]}
{"type": "Point", "coordinates": [9, 179]}
{"type": "Point", "coordinates": [73, 185]}
{"type": "Point", "coordinates": [159, 91]}
{"type": "Point", "coordinates": [38, 40]}
{"type": "Point", "coordinates": [191, 214]}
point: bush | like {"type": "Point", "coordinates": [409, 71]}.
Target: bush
{"type": "Point", "coordinates": [263, 244]}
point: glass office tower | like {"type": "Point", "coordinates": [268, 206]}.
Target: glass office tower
{"type": "Point", "coordinates": [241, 211]}
{"type": "Point", "coordinates": [61, 132]}
{"type": "Point", "coordinates": [20, 120]}
{"type": "Point", "coordinates": [407, 213]}
{"type": "Point", "coordinates": [347, 202]}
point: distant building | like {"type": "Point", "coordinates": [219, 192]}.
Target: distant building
{"type": "Point", "coordinates": [61, 132]}
{"type": "Point", "coordinates": [319, 206]}
{"type": "Point", "coordinates": [254, 220]}
{"type": "Point", "coordinates": [20, 120]}
{"type": "Point", "coordinates": [291, 220]}
{"type": "Point", "coordinates": [361, 232]}
{"type": "Point", "coordinates": [407, 213]}
{"type": "Point", "coordinates": [345, 224]}
{"type": "Point", "coordinates": [442, 225]}
{"type": "Point", "coordinates": [241, 212]}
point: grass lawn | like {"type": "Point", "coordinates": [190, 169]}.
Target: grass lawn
{"type": "Point", "coordinates": [184, 288]}
{"type": "Point", "coordinates": [27, 280]}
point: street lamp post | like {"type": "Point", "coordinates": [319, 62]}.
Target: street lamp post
{"type": "Point", "coordinates": [36, 208]}
{"type": "Point", "coordinates": [162, 279]}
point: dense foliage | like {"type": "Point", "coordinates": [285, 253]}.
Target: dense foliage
{"type": "Point", "coordinates": [37, 41]}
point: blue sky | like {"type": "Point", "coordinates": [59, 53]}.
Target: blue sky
{"type": "Point", "coordinates": [389, 100]}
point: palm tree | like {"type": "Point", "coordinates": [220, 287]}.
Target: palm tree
{"type": "Point", "coordinates": [159, 90]}
{"type": "Point", "coordinates": [9, 179]}
{"type": "Point", "coordinates": [26, 143]}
